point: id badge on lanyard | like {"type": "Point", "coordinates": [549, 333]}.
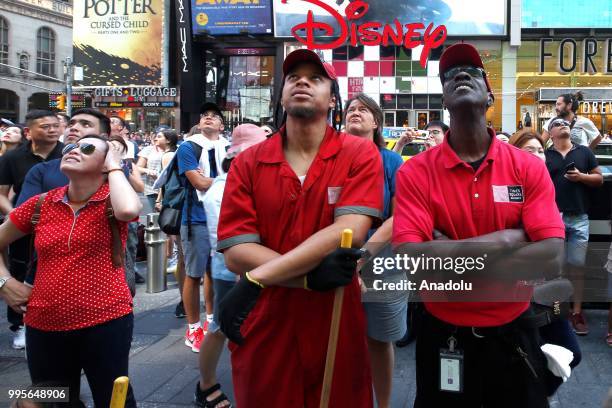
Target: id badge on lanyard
{"type": "Point", "coordinates": [451, 367]}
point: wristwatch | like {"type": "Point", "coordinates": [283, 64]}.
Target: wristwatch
{"type": "Point", "coordinates": [3, 280]}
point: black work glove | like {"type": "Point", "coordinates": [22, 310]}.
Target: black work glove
{"type": "Point", "coordinates": [335, 270]}
{"type": "Point", "coordinates": [236, 306]}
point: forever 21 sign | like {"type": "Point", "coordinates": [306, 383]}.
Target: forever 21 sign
{"type": "Point", "coordinates": [567, 53]}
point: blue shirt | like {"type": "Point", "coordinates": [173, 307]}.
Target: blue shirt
{"type": "Point", "coordinates": [391, 163]}
{"type": "Point", "coordinates": [187, 161]}
{"type": "Point", "coordinates": [41, 178]}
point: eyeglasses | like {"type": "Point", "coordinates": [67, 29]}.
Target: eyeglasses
{"type": "Point", "coordinates": [559, 123]}
{"type": "Point", "coordinates": [474, 72]}
{"type": "Point", "coordinates": [85, 148]}
{"type": "Point", "coordinates": [211, 115]}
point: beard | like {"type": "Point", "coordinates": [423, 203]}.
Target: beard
{"type": "Point", "coordinates": [301, 112]}
{"type": "Point", "coordinates": [563, 113]}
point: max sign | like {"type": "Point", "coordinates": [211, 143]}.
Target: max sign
{"type": "Point", "coordinates": [368, 33]}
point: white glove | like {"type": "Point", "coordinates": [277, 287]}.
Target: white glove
{"type": "Point", "coordinates": [558, 359]}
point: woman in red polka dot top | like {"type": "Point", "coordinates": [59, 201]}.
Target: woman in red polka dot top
{"type": "Point", "coordinates": [78, 314]}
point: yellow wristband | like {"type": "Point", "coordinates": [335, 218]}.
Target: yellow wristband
{"type": "Point", "coordinates": [253, 280]}
{"type": "Point", "coordinates": [306, 283]}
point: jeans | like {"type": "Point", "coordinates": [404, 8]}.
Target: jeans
{"type": "Point", "coordinates": [130, 256]}
{"type": "Point", "coordinates": [576, 237]}
{"type": "Point", "coordinates": [18, 267]}
{"type": "Point", "coordinates": [55, 359]}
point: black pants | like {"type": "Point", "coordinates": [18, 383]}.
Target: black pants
{"type": "Point", "coordinates": [18, 262]}
{"type": "Point", "coordinates": [56, 358]}
{"type": "Point", "coordinates": [494, 374]}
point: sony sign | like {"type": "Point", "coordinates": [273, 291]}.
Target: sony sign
{"type": "Point", "coordinates": [567, 51]}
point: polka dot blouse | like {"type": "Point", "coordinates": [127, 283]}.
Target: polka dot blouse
{"type": "Point", "coordinates": [76, 285]}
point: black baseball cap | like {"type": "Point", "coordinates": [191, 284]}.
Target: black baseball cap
{"type": "Point", "coordinates": [209, 106]}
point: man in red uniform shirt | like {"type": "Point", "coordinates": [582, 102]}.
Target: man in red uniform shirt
{"type": "Point", "coordinates": [286, 203]}
{"type": "Point", "coordinates": [472, 188]}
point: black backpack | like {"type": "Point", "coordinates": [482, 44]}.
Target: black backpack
{"type": "Point", "coordinates": [174, 192]}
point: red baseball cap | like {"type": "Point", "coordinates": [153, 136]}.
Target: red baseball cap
{"type": "Point", "coordinates": [461, 54]}
{"type": "Point", "coordinates": [303, 55]}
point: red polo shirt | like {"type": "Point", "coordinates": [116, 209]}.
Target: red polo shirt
{"type": "Point", "coordinates": [76, 284]}
{"type": "Point", "coordinates": [264, 202]}
{"type": "Point", "coordinates": [437, 190]}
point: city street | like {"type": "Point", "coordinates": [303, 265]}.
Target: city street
{"type": "Point", "coordinates": [164, 372]}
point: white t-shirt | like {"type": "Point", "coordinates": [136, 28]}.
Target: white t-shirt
{"type": "Point", "coordinates": [153, 156]}
{"type": "Point", "coordinates": [583, 132]}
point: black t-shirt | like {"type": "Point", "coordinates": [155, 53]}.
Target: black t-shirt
{"type": "Point", "coordinates": [572, 197]}
{"type": "Point", "coordinates": [15, 164]}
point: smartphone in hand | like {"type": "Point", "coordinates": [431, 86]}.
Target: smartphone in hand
{"type": "Point", "coordinates": [569, 167]}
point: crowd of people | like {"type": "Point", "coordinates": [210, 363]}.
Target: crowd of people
{"type": "Point", "coordinates": [259, 225]}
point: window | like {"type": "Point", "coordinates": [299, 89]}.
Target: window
{"type": "Point", "coordinates": [45, 51]}
{"type": "Point", "coordinates": [4, 44]}
{"type": "Point", "coordinates": [24, 61]}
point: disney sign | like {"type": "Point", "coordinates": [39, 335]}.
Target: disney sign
{"type": "Point", "coordinates": [367, 33]}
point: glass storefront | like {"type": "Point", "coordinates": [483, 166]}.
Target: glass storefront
{"type": "Point", "coordinates": [529, 79]}
{"type": "Point", "coordinates": [244, 88]}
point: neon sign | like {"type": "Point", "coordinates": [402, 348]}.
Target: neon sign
{"type": "Point", "coordinates": [368, 33]}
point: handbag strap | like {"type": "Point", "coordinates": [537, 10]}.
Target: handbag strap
{"type": "Point", "coordinates": [34, 221]}
{"type": "Point", "coordinates": [118, 252]}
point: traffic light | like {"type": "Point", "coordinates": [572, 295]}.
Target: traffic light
{"type": "Point", "coordinates": [61, 102]}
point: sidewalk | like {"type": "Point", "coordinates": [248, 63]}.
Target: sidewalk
{"type": "Point", "coordinates": [164, 371]}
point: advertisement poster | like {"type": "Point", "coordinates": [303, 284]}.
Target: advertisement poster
{"type": "Point", "coordinates": [461, 17]}
{"type": "Point", "coordinates": [227, 18]}
{"type": "Point", "coordinates": [118, 43]}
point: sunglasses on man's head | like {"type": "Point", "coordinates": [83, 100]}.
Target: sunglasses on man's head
{"type": "Point", "coordinates": [559, 123]}
{"type": "Point", "coordinates": [474, 72]}
{"type": "Point", "coordinates": [86, 148]}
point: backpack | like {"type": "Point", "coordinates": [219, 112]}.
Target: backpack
{"type": "Point", "coordinates": [174, 193]}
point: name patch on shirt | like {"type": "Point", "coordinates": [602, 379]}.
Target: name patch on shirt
{"type": "Point", "coordinates": [333, 193]}
{"type": "Point", "coordinates": [508, 194]}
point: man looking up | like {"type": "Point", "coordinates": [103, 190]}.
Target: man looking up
{"type": "Point", "coordinates": [572, 191]}
{"type": "Point", "coordinates": [198, 171]}
{"type": "Point", "coordinates": [314, 181]}
{"type": "Point", "coordinates": [43, 132]}
{"type": "Point", "coordinates": [473, 188]}
{"type": "Point", "coordinates": [582, 130]}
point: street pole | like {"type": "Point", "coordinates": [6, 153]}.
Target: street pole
{"type": "Point", "coordinates": [68, 64]}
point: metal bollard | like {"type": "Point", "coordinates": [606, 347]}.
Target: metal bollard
{"type": "Point", "coordinates": [155, 241]}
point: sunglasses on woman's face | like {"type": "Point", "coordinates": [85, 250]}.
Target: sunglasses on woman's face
{"type": "Point", "coordinates": [86, 148]}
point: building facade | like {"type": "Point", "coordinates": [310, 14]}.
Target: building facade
{"type": "Point", "coordinates": [35, 40]}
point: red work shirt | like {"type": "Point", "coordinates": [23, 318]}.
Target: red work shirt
{"type": "Point", "coordinates": [510, 189]}
{"type": "Point", "coordinates": [76, 285]}
{"type": "Point", "coordinates": [264, 202]}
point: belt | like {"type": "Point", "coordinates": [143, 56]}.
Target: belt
{"type": "Point", "coordinates": [528, 320]}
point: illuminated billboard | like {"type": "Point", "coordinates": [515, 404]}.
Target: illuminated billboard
{"type": "Point", "coordinates": [216, 17]}
{"type": "Point", "coordinates": [462, 18]}
{"type": "Point", "coordinates": [118, 43]}
{"type": "Point", "coordinates": [566, 14]}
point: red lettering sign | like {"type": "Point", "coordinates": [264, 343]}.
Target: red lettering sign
{"type": "Point", "coordinates": [368, 33]}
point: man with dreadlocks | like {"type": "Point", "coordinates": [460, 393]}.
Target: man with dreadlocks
{"type": "Point", "coordinates": [286, 203]}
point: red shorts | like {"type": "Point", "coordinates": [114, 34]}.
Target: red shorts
{"type": "Point", "coordinates": [282, 360]}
